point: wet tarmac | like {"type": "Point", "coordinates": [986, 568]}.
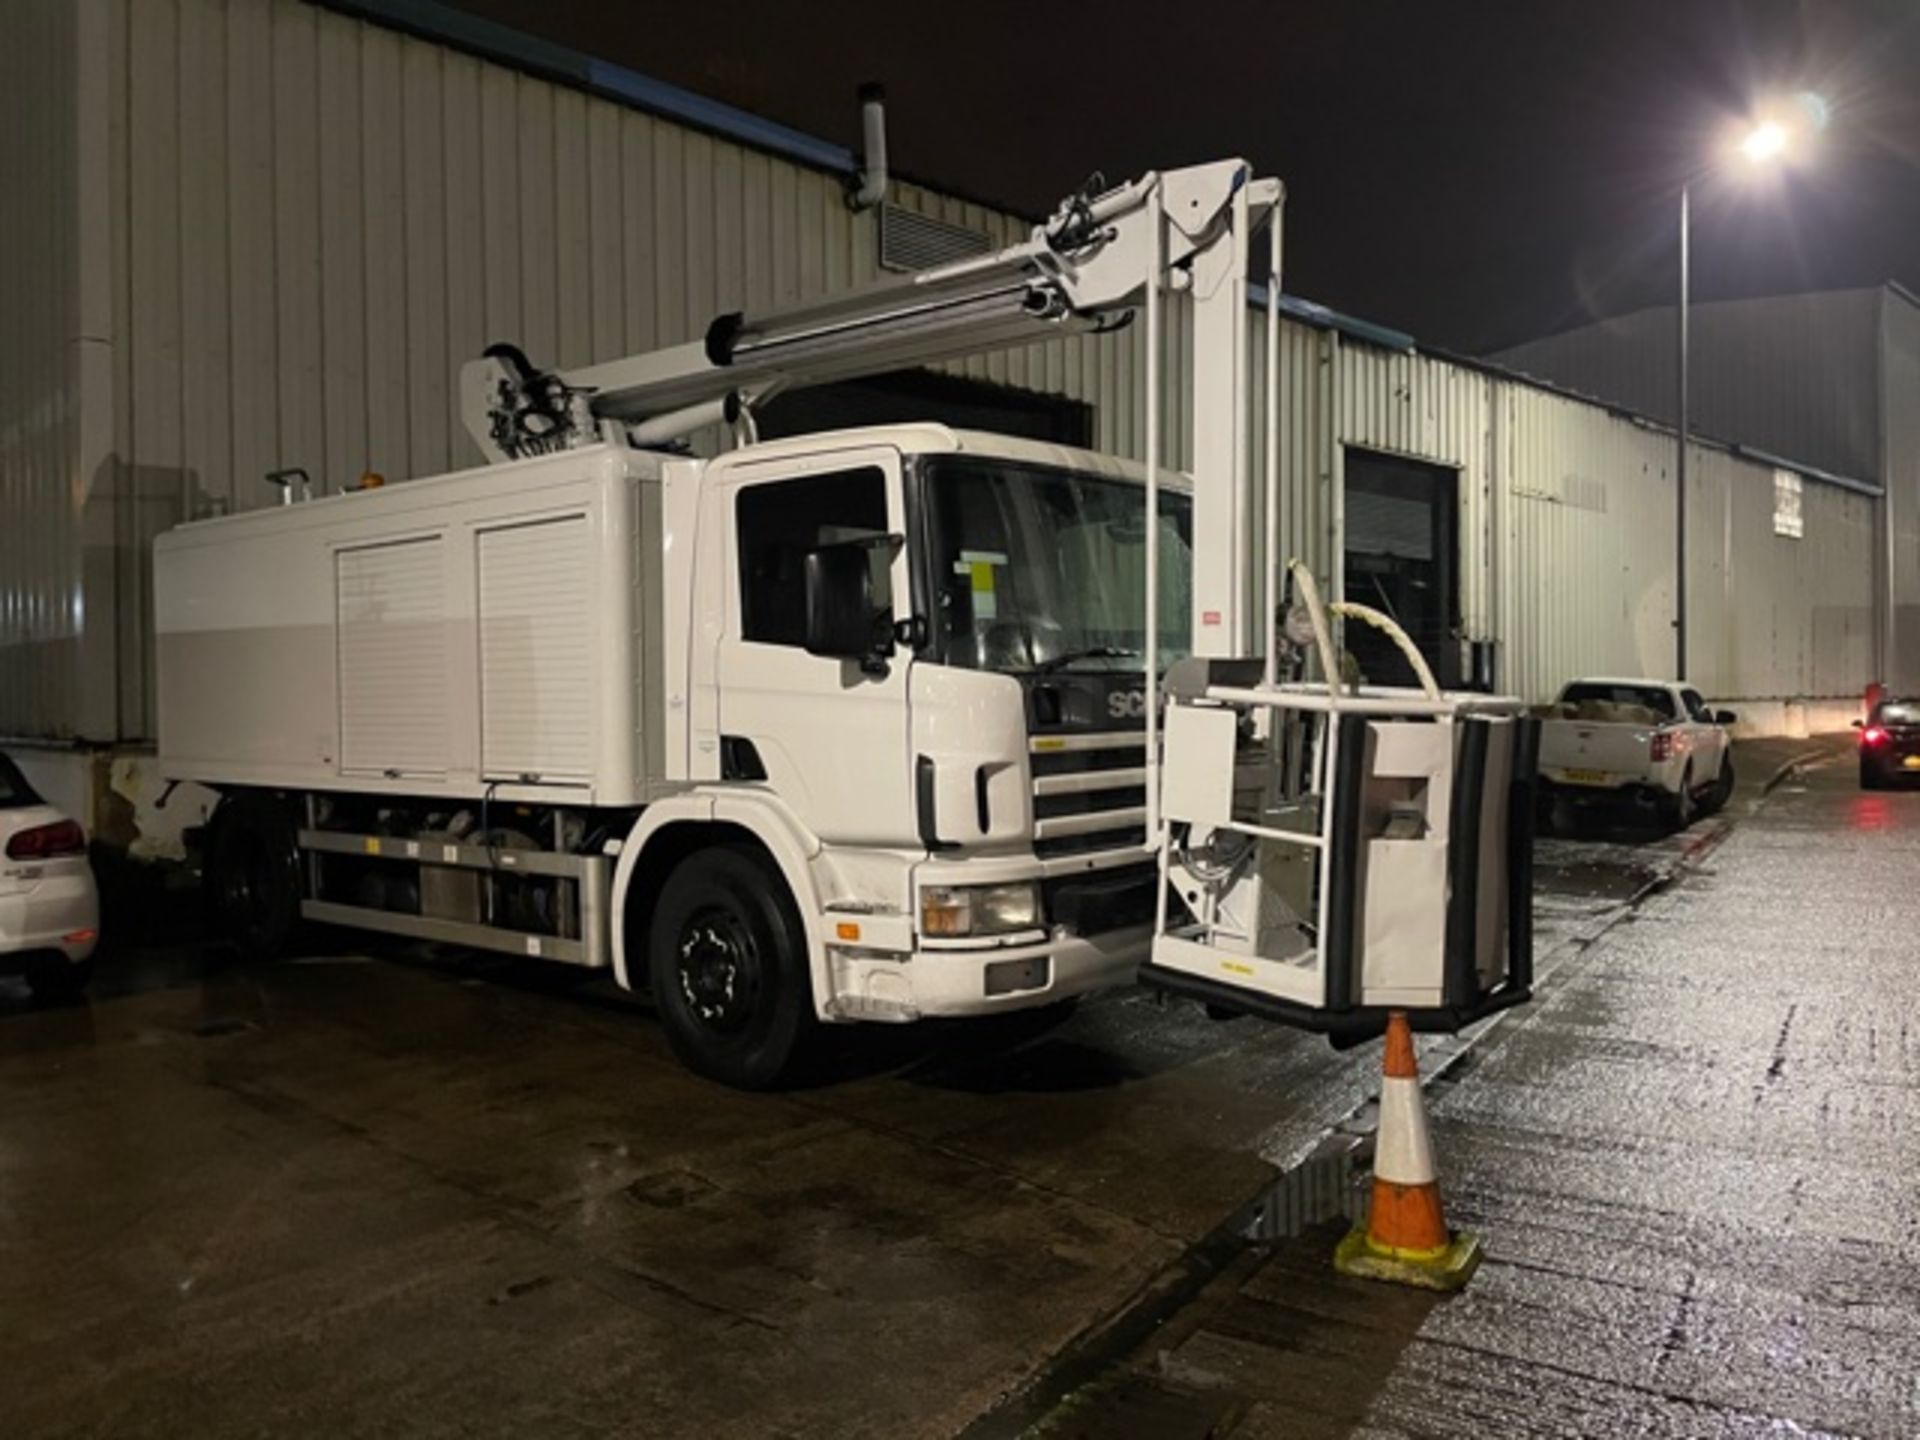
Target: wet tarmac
{"type": "Point", "coordinates": [444, 1194]}
{"type": "Point", "coordinates": [1692, 1165]}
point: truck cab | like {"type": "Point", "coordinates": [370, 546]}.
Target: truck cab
{"type": "Point", "coordinates": [961, 774]}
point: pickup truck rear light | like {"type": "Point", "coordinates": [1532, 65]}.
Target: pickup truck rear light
{"type": "Point", "coordinates": [1873, 735]}
{"type": "Point", "coordinates": [1661, 747]}
{"type": "Point", "coordinates": [46, 842]}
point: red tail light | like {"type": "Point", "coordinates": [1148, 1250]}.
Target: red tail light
{"type": "Point", "coordinates": [44, 842]}
{"type": "Point", "coordinates": [1661, 748]}
{"type": "Point", "coordinates": [1873, 735]}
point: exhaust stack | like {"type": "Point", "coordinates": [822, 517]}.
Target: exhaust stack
{"type": "Point", "coordinates": [872, 188]}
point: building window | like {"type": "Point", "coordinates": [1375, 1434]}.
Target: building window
{"type": "Point", "coordinates": [779, 522]}
{"type": "Point", "coordinates": [1787, 517]}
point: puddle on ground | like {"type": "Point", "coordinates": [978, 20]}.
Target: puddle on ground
{"type": "Point", "coordinates": [1330, 1184]}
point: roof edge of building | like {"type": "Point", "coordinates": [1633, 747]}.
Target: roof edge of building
{"type": "Point", "coordinates": [502, 44]}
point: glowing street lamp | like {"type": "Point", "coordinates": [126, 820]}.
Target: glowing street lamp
{"type": "Point", "coordinates": [1766, 141]}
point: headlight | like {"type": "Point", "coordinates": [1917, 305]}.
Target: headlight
{"type": "Point", "coordinates": [952, 911]}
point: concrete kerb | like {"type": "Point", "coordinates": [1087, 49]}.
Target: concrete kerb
{"type": "Point", "coordinates": [1790, 768]}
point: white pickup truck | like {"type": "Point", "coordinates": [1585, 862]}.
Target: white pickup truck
{"type": "Point", "coordinates": [1646, 744]}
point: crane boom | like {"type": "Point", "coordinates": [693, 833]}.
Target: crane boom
{"type": "Point", "coordinates": [1085, 269]}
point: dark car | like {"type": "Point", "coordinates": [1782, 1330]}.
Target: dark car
{"type": "Point", "coordinates": [1890, 744]}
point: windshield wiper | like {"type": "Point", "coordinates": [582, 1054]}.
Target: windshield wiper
{"type": "Point", "coordinates": [1091, 652]}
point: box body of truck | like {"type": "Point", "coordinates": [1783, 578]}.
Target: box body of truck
{"type": "Point", "coordinates": [491, 634]}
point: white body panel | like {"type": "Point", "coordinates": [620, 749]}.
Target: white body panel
{"type": "Point", "coordinates": [1602, 755]}
{"type": "Point", "coordinates": [45, 905]}
{"type": "Point", "coordinates": [434, 638]}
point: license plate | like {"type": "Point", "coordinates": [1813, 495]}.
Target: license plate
{"type": "Point", "coordinates": [1912, 762]}
{"type": "Point", "coordinates": [1586, 777]}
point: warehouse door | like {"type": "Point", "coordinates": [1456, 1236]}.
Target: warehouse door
{"type": "Point", "coordinates": [1403, 557]}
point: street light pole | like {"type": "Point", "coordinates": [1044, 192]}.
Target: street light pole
{"type": "Point", "coordinates": [1680, 468]}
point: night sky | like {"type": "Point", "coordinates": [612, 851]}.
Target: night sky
{"type": "Point", "coordinates": [1475, 173]}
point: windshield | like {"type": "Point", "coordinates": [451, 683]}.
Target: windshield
{"type": "Point", "coordinates": [1038, 569]}
{"type": "Point", "coordinates": [1898, 712]}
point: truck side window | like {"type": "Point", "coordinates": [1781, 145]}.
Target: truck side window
{"type": "Point", "coordinates": [778, 522]}
{"type": "Point", "coordinates": [1696, 707]}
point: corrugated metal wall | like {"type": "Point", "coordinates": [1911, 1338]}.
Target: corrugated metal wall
{"type": "Point", "coordinates": [42, 494]}
{"type": "Point", "coordinates": [1792, 374]}
{"type": "Point", "coordinates": [1590, 583]}
{"type": "Point", "coordinates": [314, 221]}
{"type": "Point", "coordinates": [322, 219]}
{"type": "Point", "coordinates": [1900, 381]}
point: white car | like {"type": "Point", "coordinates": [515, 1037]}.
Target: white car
{"type": "Point", "coordinates": [49, 909]}
{"type": "Point", "coordinates": [1649, 744]}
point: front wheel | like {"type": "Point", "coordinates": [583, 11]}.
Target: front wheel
{"type": "Point", "coordinates": [727, 960]}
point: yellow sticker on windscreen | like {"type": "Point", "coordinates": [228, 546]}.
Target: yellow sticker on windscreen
{"type": "Point", "coordinates": [977, 566]}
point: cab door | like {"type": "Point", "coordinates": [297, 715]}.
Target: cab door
{"type": "Point", "coordinates": [829, 736]}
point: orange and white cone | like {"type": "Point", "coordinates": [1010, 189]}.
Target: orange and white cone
{"type": "Point", "coordinates": [1405, 1238]}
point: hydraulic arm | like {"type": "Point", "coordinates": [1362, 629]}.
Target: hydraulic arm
{"type": "Point", "coordinates": [1087, 268]}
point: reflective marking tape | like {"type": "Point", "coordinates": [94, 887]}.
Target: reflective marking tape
{"type": "Point", "coordinates": [1404, 1149]}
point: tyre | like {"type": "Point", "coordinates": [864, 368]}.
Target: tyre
{"type": "Point", "coordinates": [58, 980]}
{"type": "Point", "coordinates": [1722, 789]}
{"type": "Point", "coordinates": [1871, 778]}
{"type": "Point", "coordinates": [253, 877]}
{"type": "Point", "coordinates": [727, 960]}
{"type": "Point", "coordinates": [1679, 809]}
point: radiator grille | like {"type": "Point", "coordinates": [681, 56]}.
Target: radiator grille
{"type": "Point", "coordinates": [1089, 792]}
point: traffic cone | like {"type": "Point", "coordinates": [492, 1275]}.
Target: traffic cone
{"type": "Point", "coordinates": [1405, 1238]}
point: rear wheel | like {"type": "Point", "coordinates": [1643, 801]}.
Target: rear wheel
{"type": "Point", "coordinates": [727, 959]}
{"type": "Point", "coordinates": [253, 877]}
{"type": "Point", "coordinates": [1870, 777]}
{"type": "Point", "coordinates": [1722, 789]}
{"type": "Point", "coordinates": [1679, 806]}
{"type": "Point", "coordinates": [58, 980]}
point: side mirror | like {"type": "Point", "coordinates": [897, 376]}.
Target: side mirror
{"type": "Point", "coordinates": [844, 621]}
{"type": "Point", "coordinates": [1859, 724]}
{"type": "Point", "coordinates": [1724, 717]}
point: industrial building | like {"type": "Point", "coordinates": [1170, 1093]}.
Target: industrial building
{"type": "Point", "coordinates": [1829, 378]}
{"type": "Point", "coordinates": [261, 235]}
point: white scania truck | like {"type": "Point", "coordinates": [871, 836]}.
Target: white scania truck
{"type": "Point", "coordinates": [856, 726]}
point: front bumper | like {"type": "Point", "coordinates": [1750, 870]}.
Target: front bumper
{"type": "Point", "coordinates": [867, 985]}
{"type": "Point", "coordinates": [57, 913]}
